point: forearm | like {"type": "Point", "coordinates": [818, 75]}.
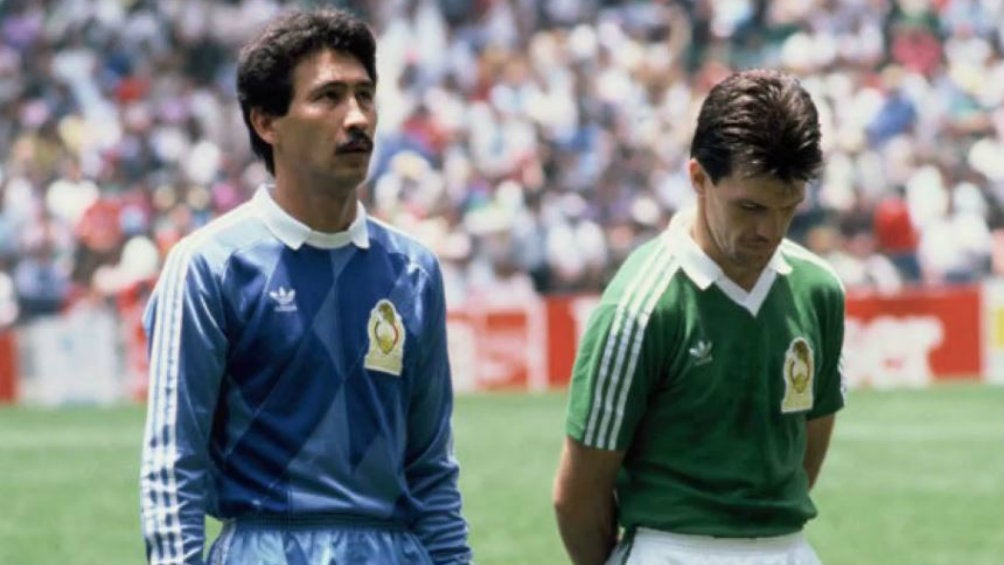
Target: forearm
{"type": "Point", "coordinates": [172, 484]}
{"type": "Point", "coordinates": [439, 524]}
{"type": "Point", "coordinates": [432, 474]}
{"type": "Point", "coordinates": [171, 512]}
{"type": "Point", "coordinates": [818, 432]}
{"type": "Point", "coordinates": [430, 467]}
{"type": "Point", "coordinates": [584, 502]}
{"type": "Point", "coordinates": [188, 350]}
{"type": "Point", "coordinates": [588, 528]}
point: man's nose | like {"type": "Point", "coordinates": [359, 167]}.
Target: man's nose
{"type": "Point", "coordinates": [356, 117]}
{"type": "Point", "coordinates": [772, 226]}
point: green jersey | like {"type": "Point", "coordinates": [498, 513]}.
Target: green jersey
{"type": "Point", "coordinates": [707, 387]}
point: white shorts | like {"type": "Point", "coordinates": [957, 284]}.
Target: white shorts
{"type": "Point", "coordinates": [652, 547]}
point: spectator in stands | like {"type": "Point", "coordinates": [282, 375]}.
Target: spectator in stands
{"type": "Point", "coordinates": [956, 245]}
{"type": "Point", "coordinates": [99, 238]}
{"type": "Point", "coordinates": [41, 283]}
{"type": "Point", "coordinates": [860, 267]}
{"type": "Point", "coordinates": [896, 235]}
{"type": "Point", "coordinates": [8, 299]}
{"type": "Point", "coordinates": [109, 97]}
{"type": "Point", "coordinates": [898, 113]}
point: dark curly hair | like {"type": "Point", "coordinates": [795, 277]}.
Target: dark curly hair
{"type": "Point", "coordinates": [758, 122]}
{"type": "Point", "coordinates": [266, 63]}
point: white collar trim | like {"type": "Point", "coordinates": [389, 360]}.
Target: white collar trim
{"type": "Point", "coordinates": [294, 233]}
{"type": "Point", "coordinates": [703, 270]}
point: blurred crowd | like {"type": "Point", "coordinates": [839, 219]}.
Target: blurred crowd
{"type": "Point", "coordinates": [531, 143]}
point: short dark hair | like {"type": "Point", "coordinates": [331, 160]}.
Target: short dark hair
{"type": "Point", "coordinates": [758, 122]}
{"type": "Point", "coordinates": [265, 65]}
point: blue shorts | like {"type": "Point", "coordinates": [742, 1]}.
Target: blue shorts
{"type": "Point", "coordinates": [262, 543]}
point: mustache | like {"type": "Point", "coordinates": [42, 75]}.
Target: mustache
{"type": "Point", "coordinates": [358, 142]}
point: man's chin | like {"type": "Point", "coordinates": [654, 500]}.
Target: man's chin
{"type": "Point", "coordinates": [339, 181]}
{"type": "Point", "coordinates": [752, 263]}
{"type": "Point", "coordinates": [351, 174]}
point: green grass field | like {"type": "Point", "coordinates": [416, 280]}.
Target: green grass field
{"type": "Point", "coordinates": [913, 478]}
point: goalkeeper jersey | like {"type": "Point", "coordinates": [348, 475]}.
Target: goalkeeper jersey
{"type": "Point", "coordinates": [298, 375]}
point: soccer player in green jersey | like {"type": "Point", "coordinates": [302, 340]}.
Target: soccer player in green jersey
{"type": "Point", "coordinates": [705, 387]}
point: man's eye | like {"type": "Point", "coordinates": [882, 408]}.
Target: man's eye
{"type": "Point", "coordinates": [333, 95]}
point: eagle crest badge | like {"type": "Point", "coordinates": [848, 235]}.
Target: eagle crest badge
{"type": "Point", "coordinates": [799, 368]}
{"type": "Point", "coordinates": [386, 335]}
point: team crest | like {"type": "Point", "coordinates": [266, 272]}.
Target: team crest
{"type": "Point", "coordinates": [386, 333]}
{"type": "Point", "coordinates": [798, 372]}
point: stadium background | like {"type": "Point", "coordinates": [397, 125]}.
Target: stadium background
{"type": "Point", "coordinates": [532, 145]}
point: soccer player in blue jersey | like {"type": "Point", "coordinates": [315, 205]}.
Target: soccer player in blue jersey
{"type": "Point", "coordinates": [705, 387]}
{"type": "Point", "coordinates": [299, 384]}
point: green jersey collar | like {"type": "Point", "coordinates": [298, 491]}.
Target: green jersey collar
{"type": "Point", "coordinates": [704, 272]}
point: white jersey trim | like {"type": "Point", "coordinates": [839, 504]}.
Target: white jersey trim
{"type": "Point", "coordinates": [623, 347]}
{"type": "Point", "coordinates": [793, 249]}
{"type": "Point", "coordinates": [160, 503]}
{"type": "Point", "coordinates": [704, 271]}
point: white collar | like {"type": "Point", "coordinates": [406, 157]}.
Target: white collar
{"type": "Point", "coordinates": [703, 270]}
{"type": "Point", "coordinates": [294, 233]}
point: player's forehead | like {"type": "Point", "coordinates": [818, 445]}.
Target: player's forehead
{"type": "Point", "coordinates": [326, 67]}
{"type": "Point", "coordinates": [763, 189]}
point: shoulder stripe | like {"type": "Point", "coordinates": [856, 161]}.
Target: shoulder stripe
{"type": "Point", "coordinates": [393, 229]}
{"type": "Point", "coordinates": [413, 258]}
{"type": "Point", "coordinates": [163, 517]}
{"type": "Point", "coordinates": [589, 438]}
{"type": "Point", "coordinates": [161, 507]}
{"type": "Point", "coordinates": [606, 411]}
{"type": "Point", "coordinates": [795, 250]}
{"type": "Point", "coordinates": [643, 318]}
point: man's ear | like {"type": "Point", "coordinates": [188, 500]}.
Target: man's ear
{"type": "Point", "coordinates": [264, 124]}
{"type": "Point", "coordinates": [698, 176]}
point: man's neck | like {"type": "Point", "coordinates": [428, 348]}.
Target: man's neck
{"type": "Point", "coordinates": [327, 210]}
{"type": "Point", "coordinates": [744, 278]}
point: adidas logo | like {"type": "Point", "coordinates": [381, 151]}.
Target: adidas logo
{"type": "Point", "coordinates": [701, 352]}
{"type": "Point", "coordinates": [284, 299]}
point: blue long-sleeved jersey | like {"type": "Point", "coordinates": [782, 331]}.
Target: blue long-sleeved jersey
{"type": "Point", "coordinates": [298, 374]}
